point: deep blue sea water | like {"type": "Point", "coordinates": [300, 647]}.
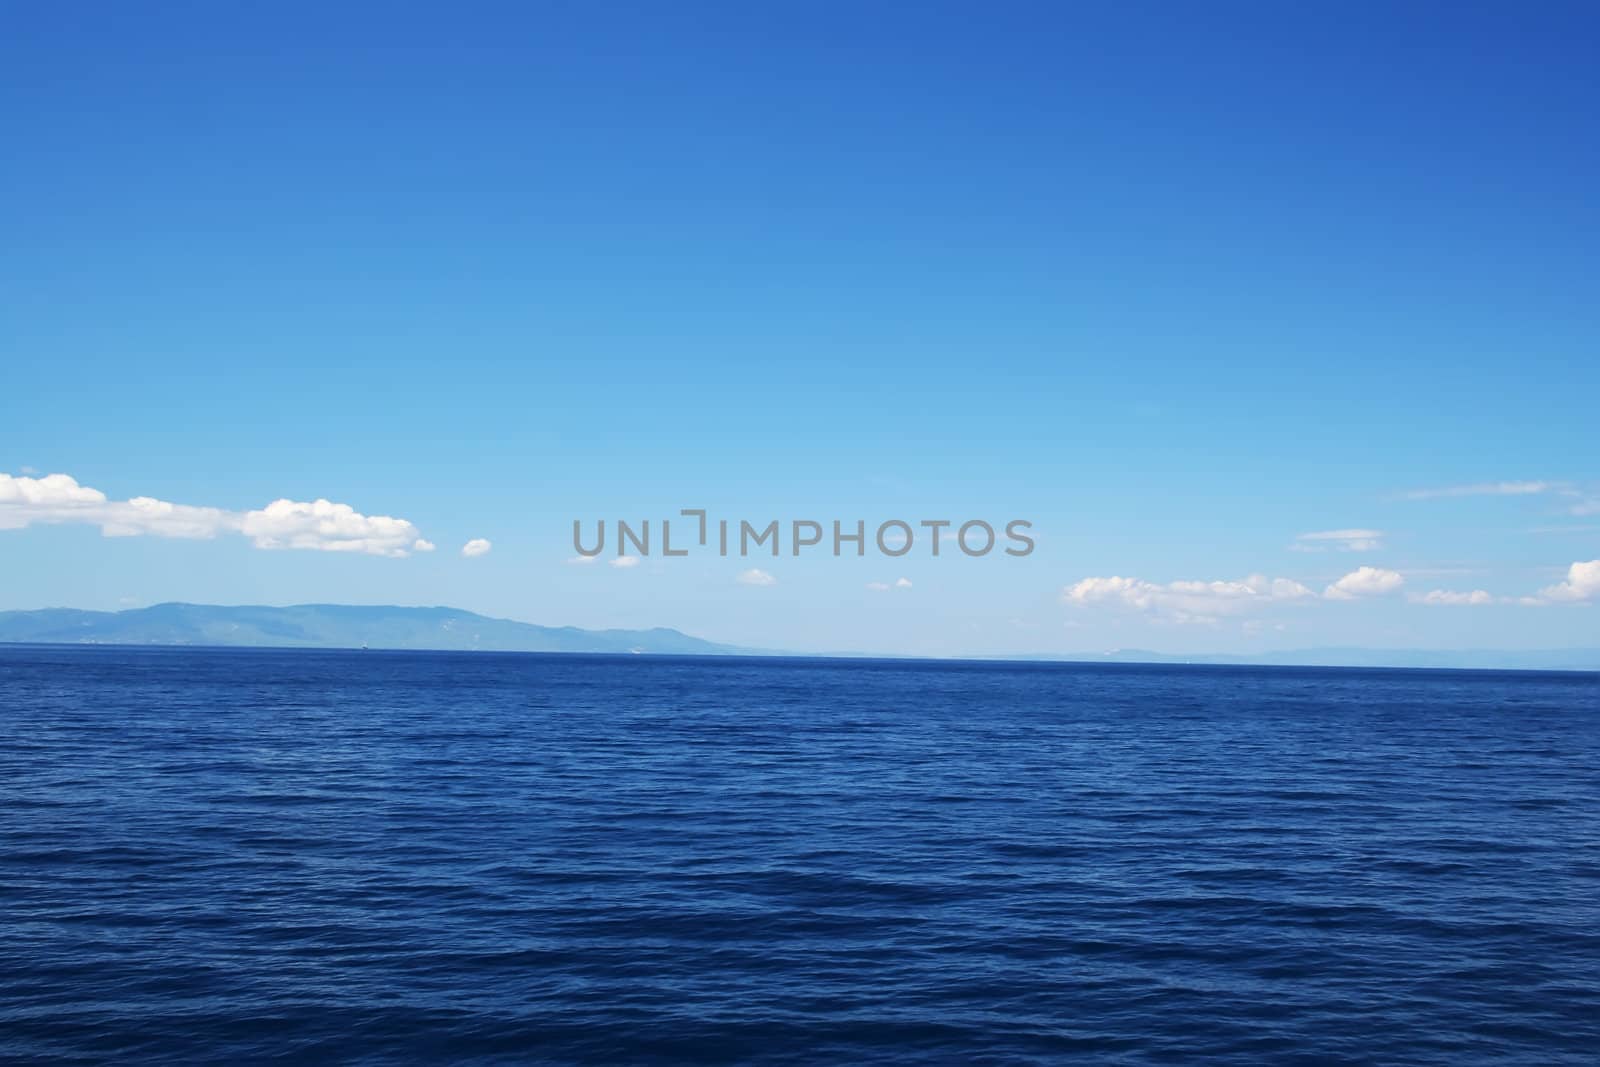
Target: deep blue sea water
{"type": "Point", "coordinates": [372, 857]}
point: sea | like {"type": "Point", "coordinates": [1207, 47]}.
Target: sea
{"type": "Point", "coordinates": [301, 856]}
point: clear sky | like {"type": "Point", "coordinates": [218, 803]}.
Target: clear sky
{"type": "Point", "coordinates": [1180, 284]}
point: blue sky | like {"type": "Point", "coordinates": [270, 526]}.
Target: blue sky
{"type": "Point", "coordinates": [1178, 285]}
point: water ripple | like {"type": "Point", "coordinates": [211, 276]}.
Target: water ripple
{"type": "Point", "coordinates": [373, 857]}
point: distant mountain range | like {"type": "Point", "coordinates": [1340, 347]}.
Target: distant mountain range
{"type": "Point", "coordinates": [447, 629]}
{"type": "Point", "coordinates": [332, 626]}
{"type": "Point", "coordinates": [1554, 659]}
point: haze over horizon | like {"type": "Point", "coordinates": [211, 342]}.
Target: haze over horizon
{"type": "Point", "coordinates": [440, 628]}
{"type": "Point", "coordinates": [1279, 340]}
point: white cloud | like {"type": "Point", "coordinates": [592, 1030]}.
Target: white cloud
{"type": "Point", "coordinates": [1482, 489]}
{"type": "Point", "coordinates": [624, 562]}
{"type": "Point", "coordinates": [320, 524]}
{"type": "Point", "coordinates": [146, 515]}
{"type": "Point", "coordinates": [1451, 598]}
{"type": "Point", "coordinates": [1364, 581]}
{"type": "Point", "coordinates": [1583, 503]}
{"type": "Point", "coordinates": [1187, 601]}
{"type": "Point", "coordinates": [1343, 540]}
{"type": "Point", "coordinates": [1582, 500]}
{"type": "Point", "coordinates": [878, 587]}
{"type": "Point", "coordinates": [902, 583]}
{"type": "Point", "coordinates": [756, 576]}
{"type": "Point", "coordinates": [422, 545]}
{"type": "Point", "coordinates": [476, 547]}
{"type": "Point", "coordinates": [1583, 583]}
{"type": "Point", "coordinates": [53, 491]}
{"type": "Point", "coordinates": [582, 561]}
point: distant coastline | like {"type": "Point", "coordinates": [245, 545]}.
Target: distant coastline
{"type": "Point", "coordinates": [439, 629]}
{"type": "Point", "coordinates": [443, 629]}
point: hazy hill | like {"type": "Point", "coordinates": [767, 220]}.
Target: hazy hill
{"type": "Point", "coordinates": [332, 626]}
{"type": "Point", "coordinates": [345, 626]}
{"type": "Point", "coordinates": [1553, 659]}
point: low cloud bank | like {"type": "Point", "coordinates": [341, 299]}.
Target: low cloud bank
{"type": "Point", "coordinates": [319, 525]}
{"type": "Point", "coordinates": [1208, 602]}
{"type": "Point", "coordinates": [1187, 601]}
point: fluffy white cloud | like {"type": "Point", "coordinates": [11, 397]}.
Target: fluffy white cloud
{"type": "Point", "coordinates": [624, 562]}
{"type": "Point", "coordinates": [476, 547]}
{"type": "Point", "coordinates": [423, 546]}
{"type": "Point", "coordinates": [1451, 598]}
{"type": "Point", "coordinates": [902, 583]}
{"type": "Point", "coordinates": [1343, 540]}
{"type": "Point", "coordinates": [756, 576]}
{"type": "Point", "coordinates": [1483, 489]}
{"type": "Point", "coordinates": [1187, 601]}
{"type": "Point", "coordinates": [1583, 583]}
{"type": "Point", "coordinates": [146, 515]}
{"type": "Point", "coordinates": [1364, 581]}
{"type": "Point", "coordinates": [320, 524]}
{"type": "Point", "coordinates": [53, 492]}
